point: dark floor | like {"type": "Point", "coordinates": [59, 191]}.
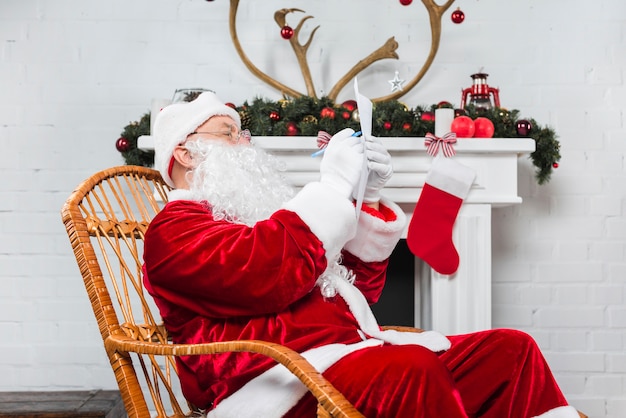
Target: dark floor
{"type": "Point", "coordinates": [70, 404]}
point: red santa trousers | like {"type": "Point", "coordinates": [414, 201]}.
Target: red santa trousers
{"type": "Point", "coordinates": [490, 374]}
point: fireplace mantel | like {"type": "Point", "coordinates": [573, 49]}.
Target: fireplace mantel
{"type": "Point", "coordinates": [450, 304]}
{"type": "Point", "coordinates": [495, 162]}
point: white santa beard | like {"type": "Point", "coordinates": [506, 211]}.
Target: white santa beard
{"type": "Point", "coordinates": [242, 183]}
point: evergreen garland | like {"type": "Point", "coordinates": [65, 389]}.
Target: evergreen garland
{"type": "Point", "coordinates": [305, 116]}
{"type": "Point", "coordinates": [546, 155]}
{"type": "Point", "coordinates": [133, 155]}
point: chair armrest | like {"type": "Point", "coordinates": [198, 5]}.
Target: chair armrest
{"type": "Point", "coordinates": [401, 328]}
{"type": "Point", "coordinates": [326, 394]}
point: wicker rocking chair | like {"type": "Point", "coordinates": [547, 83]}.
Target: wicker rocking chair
{"type": "Point", "coordinates": [106, 218]}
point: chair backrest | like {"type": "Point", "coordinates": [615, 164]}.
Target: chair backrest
{"type": "Point", "coordinates": [106, 218]}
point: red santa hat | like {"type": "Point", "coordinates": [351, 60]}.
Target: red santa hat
{"type": "Point", "coordinates": [175, 122]}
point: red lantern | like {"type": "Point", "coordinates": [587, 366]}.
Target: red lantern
{"type": "Point", "coordinates": [483, 128]}
{"type": "Point", "coordinates": [481, 93]}
{"type": "Point", "coordinates": [463, 127]}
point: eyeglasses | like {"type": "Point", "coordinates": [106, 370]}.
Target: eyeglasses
{"type": "Point", "coordinates": [233, 135]}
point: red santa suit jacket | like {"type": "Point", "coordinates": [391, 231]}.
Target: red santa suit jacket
{"type": "Point", "coordinates": [219, 281]}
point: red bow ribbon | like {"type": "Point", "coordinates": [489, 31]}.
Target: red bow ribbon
{"type": "Point", "coordinates": [433, 143]}
{"type": "Point", "coordinates": [322, 139]}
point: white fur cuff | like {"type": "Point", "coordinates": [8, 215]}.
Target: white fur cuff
{"type": "Point", "coordinates": [331, 217]}
{"type": "Point", "coordinates": [375, 239]}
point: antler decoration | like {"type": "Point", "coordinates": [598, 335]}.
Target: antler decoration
{"type": "Point", "coordinates": [234, 5]}
{"type": "Point", "coordinates": [300, 50]}
{"type": "Point", "coordinates": [388, 50]}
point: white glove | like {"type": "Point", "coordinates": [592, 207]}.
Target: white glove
{"type": "Point", "coordinates": [341, 165]}
{"type": "Point", "coordinates": [380, 169]}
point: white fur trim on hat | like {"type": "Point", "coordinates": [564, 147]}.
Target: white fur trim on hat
{"type": "Point", "coordinates": [175, 122]}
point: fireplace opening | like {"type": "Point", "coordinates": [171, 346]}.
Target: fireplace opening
{"type": "Point", "coordinates": [396, 305]}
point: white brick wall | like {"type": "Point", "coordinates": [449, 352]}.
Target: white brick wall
{"type": "Point", "coordinates": [73, 73]}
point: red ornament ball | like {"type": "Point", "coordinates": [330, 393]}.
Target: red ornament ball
{"type": "Point", "coordinates": [463, 127]}
{"type": "Point", "coordinates": [349, 104]}
{"type": "Point", "coordinates": [407, 126]}
{"type": "Point", "coordinates": [458, 16]}
{"type": "Point", "coordinates": [406, 2]}
{"type": "Point", "coordinates": [346, 115]}
{"type": "Point", "coordinates": [444, 104]}
{"type": "Point", "coordinates": [523, 127]}
{"type": "Point", "coordinates": [328, 112]}
{"type": "Point", "coordinates": [122, 144]}
{"type": "Point", "coordinates": [275, 116]}
{"type": "Point", "coordinates": [483, 128]}
{"type": "Point", "coordinates": [292, 129]}
{"type": "Point", "coordinates": [555, 165]}
{"type": "Point", "coordinates": [387, 125]}
{"type": "Point", "coordinates": [231, 105]}
{"type": "Point", "coordinates": [286, 32]}
{"type": "Point", "coordinates": [427, 116]}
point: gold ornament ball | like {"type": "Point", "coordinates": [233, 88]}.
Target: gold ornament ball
{"type": "Point", "coordinates": [309, 119]}
{"type": "Point", "coordinates": [355, 115]}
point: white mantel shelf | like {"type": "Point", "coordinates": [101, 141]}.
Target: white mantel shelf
{"type": "Point", "coordinates": [495, 162]}
{"type": "Point", "coordinates": [453, 304]}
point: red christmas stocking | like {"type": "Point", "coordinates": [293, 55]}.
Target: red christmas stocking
{"type": "Point", "coordinates": [430, 232]}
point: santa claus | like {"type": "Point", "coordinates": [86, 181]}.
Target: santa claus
{"type": "Point", "coordinates": [237, 254]}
